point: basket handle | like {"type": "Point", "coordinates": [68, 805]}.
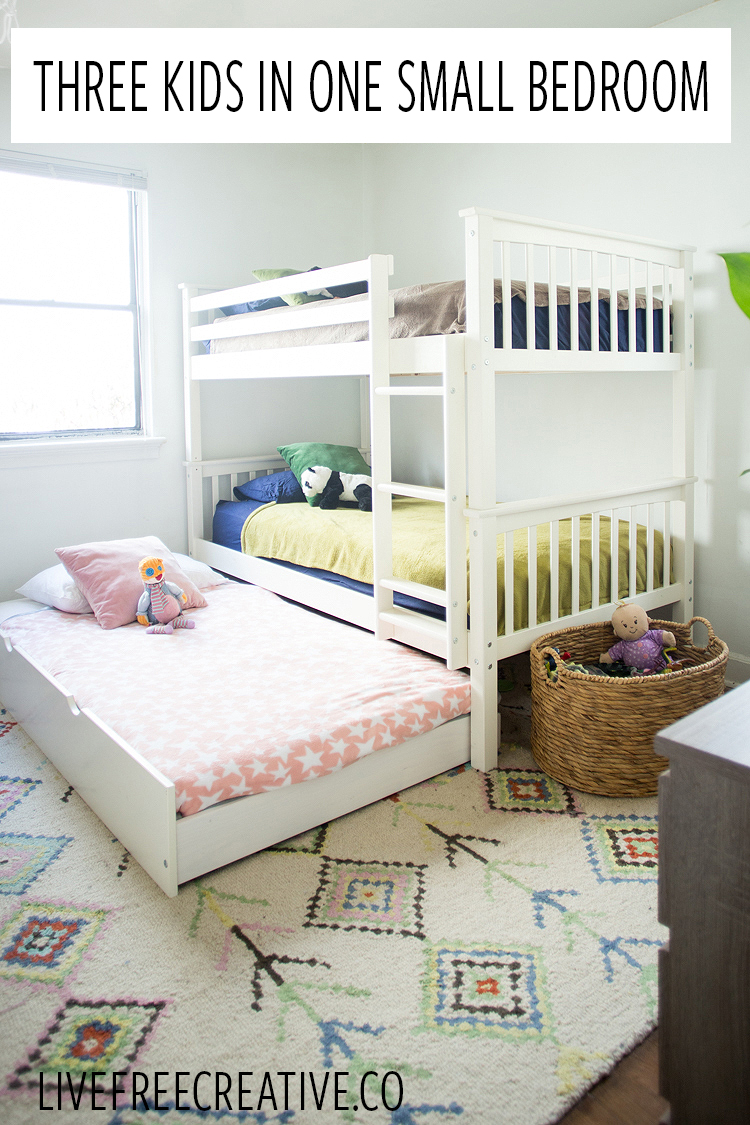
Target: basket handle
{"type": "Point", "coordinates": [558, 663]}
{"type": "Point", "coordinates": [709, 627]}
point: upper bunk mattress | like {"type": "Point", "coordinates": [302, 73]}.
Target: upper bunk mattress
{"type": "Point", "coordinates": [440, 309]}
{"type": "Point", "coordinates": [261, 694]}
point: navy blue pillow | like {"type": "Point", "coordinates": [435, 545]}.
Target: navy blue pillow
{"type": "Point", "coordinates": [349, 290]}
{"type": "Point", "coordinates": [282, 487]}
{"type": "Point", "coordinates": [253, 306]}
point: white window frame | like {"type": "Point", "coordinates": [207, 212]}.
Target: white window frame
{"type": "Point", "coordinates": [116, 444]}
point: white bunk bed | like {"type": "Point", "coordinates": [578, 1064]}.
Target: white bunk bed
{"type": "Point", "coordinates": [654, 272]}
{"type": "Point", "coordinates": [134, 799]}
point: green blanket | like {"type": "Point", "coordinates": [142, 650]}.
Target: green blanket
{"type": "Point", "coordinates": [341, 541]}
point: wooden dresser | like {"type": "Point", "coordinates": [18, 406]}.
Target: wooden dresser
{"type": "Point", "coordinates": [704, 898]}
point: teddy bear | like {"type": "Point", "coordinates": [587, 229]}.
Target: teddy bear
{"type": "Point", "coordinates": [638, 646]}
{"type": "Point", "coordinates": [160, 604]}
{"type": "Point", "coordinates": [334, 486]}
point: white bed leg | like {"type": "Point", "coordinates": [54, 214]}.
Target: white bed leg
{"type": "Point", "coordinates": [485, 721]}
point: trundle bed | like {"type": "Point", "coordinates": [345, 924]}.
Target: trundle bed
{"type": "Point", "coordinates": [548, 572]}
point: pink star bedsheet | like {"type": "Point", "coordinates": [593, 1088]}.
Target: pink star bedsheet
{"type": "Point", "coordinates": [260, 694]}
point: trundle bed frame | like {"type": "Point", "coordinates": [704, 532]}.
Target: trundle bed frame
{"type": "Point", "coordinates": [134, 800]}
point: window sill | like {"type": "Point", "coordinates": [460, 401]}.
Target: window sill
{"type": "Point", "coordinates": [77, 451]}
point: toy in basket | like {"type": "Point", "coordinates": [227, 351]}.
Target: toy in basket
{"type": "Point", "coordinates": [596, 733]}
{"type": "Point", "coordinates": [637, 645]}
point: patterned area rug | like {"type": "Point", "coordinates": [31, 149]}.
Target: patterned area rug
{"type": "Point", "coordinates": [481, 948]}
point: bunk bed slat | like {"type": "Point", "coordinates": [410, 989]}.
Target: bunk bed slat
{"type": "Point", "coordinates": [614, 336]}
{"type": "Point", "coordinates": [312, 315]}
{"type": "Point", "coordinates": [574, 300]}
{"type": "Point", "coordinates": [594, 302]}
{"type": "Point", "coordinates": [422, 492]}
{"type": "Point", "coordinates": [554, 570]}
{"type": "Point", "coordinates": [410, 391]}
{"type": "Point", "coordinates": [507, 289]}
{"type": "Point", "coordinates": [650, 307]}
{"type": "Point", "coordinates": [508, 580]}
{"type": "Point", "coordinates": [631, 305]}
{"type": "Point", "coordinates": [530, 299]}
{"type": "Point", "coordinates": [595, 547]}
{"type": "Point", "coordinates": [532, 617]}
{"type": "Point", "coordinates": [576, 565]}
{"type": "Point", "coordinates": [614, 555]}
{"type": "Point", "coordinates": [552, 299]}
{"type": "Point", "coordinates": [317, 279]}
{"type": "Point", "coordinates": [285, 363]}
{"type": "Point", "coordinates": [649, 548]}
{"type": "Point", "coordinates": [415, 590]}
{"type": "Point", "coordinates": [632, 552]}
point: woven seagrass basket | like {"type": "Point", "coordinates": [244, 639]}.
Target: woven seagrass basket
{"type": "Point", "coordinates": [596, 733]}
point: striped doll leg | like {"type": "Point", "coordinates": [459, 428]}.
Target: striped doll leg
{"type": "Point", "coordinates": [160, 628]}
{"type": "Point", "coordinates": [183, 623]}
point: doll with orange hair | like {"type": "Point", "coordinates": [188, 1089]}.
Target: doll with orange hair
{"type": "Point", "coordinates": [160, 604]}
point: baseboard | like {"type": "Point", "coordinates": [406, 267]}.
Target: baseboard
{"type": "Point", "coordinates": [738, 669]}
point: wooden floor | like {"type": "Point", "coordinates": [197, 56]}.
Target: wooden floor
{"type": "Point", "coordinates": [628, 1096]}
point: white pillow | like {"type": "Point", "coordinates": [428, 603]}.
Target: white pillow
{"type": "Point", "coordinates": [199, 573]}
{"type": "Point", "coordinates": [55, 587]}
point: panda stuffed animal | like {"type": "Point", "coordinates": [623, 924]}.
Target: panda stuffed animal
{"type": "Point", "coordinates": [334, 486]}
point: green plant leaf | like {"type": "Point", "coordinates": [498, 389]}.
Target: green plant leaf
{"type": "Point", "coordinates": [738, 267]}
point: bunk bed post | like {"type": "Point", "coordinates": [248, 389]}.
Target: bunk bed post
{"type": "Point", "coordinates": [380, 268]}
{"type": "Point", "coordinates": [480, 385]}
{"type": "Point", "coordinates": [454, 459]}
{"type": "Point", "coordinates": [682, 431]}
{"type": "Point", "coordinates": [193, 448]}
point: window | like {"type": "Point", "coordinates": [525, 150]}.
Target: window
{"type": "Point", "coordinates": [71, 299]}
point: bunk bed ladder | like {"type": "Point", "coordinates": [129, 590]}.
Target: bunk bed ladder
{"type": "Point", "coordinates": [447, 637]}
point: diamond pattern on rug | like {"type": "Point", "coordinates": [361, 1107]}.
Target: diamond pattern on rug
{"type": "Point", "coordinates": [13, 790]}
{"type": "Point", "coordinates": [622, 849]}
{"type": "Point", "coordinates": [485, 991]}
{"type": "Point", "coordinates": [517, 790]}
{"type": "Point", "coordinates": [45, 941]}
{"type": "Point", "coordinates": [469, 949]}
{"type": "Point", "coordinates": [383, 898]}
{"type": "Point", "coordinates": [23, 858]}
{"type": "Point", "coordinates": [311, 842]}
{"type": "Point", "coordinates": [90, 1035]}
{"type": "Point", "coordinates": [6, 724]}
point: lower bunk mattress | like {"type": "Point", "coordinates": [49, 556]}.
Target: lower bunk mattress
{"type": "Point", "coordinates": [337, 546]}
{"type": "Point", "coordinates": [259, 695]}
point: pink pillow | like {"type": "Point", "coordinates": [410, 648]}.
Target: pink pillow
{"type": "Point", "coordinates": [107, 575]}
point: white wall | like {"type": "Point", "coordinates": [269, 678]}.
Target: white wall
{"type": "Point", "coordinates": [215, 214]}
